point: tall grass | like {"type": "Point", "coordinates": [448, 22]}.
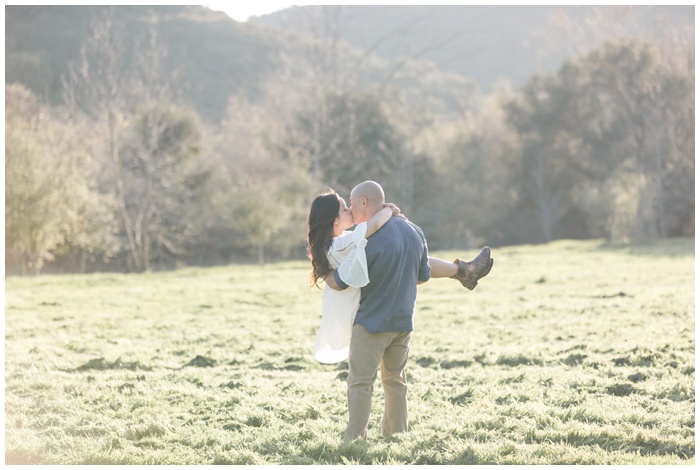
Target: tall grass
{"type": "Point", "coordinates": [568, 353]}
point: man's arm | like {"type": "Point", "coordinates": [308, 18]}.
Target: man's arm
{"type": "Point", "coordinates": [424, 270]}
{"type": "Point", "coordinates": [334, 281]}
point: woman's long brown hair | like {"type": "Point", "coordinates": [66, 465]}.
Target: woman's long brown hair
{"type": "Point", "coordinates": [324, 211]}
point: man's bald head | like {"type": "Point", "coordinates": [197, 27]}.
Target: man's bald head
{"type": "Point", "coordinates": [371, 190]}
{"type": "Point", "coordinates": [366, 199]}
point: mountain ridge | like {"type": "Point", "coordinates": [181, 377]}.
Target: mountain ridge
{"type": "Point", "coordinates": [488, 43]}
{"type": "Point", "coordinates": [420, 48]}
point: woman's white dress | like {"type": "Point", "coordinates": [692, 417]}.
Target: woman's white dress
{"type": "Point", "coordinates": [338, 308]}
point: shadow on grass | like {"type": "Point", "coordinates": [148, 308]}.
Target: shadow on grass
{"type": "Point", "coordinates": [19, 457]}
{"type": "Point", "coordinates": [355, 452]}
{"type": "Point", "coordinates": [670, 247]}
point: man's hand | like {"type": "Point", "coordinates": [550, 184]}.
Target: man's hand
{"type": "Point", "coordinates": [330, 280]}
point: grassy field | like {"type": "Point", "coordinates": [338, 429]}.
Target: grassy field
{"type": "Point", "coordinates": [568, 353]}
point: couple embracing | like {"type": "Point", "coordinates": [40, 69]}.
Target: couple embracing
{"type": "Point", "coordinates": [371, 277]}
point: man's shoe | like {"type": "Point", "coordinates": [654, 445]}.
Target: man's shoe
{"type": "Point", "coordinates": [469, 272]}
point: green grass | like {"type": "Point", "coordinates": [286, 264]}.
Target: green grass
{"type": "Point", "coordinates": [568, 353]}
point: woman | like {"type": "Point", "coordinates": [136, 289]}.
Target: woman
{"type": "Point", "coordinates": [331, 247]}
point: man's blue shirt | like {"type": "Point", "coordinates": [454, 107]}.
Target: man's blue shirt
{"type": "Point", "coordinates": [397, 258]}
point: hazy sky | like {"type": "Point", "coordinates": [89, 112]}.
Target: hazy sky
{"type": "Point", "coordinates": [241, 11]}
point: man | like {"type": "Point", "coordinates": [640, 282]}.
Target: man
{"type": "Point", "coordinates": [397, 261]}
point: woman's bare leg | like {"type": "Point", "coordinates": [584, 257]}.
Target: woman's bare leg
{"type": "Point", "coordinates": [441, 268]}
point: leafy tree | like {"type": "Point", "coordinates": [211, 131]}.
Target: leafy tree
{"type": "Point", "coordinates": [164, 184]}
{"type": "Point", "coordinates": [357, 139]}
{"type": "Point", "coordinates": [599, 137]}
{"type": "Point", "coordinates": [549, 169]}
{"type": "Point", "coordinates": [260, 198]}
{"type": "Point", "coordinates": [49, 200]}
{"type": "Point", "coordinates": [652, 92]}
{"type": "Point", "coordinates": [629, 106]}
{"type": "Point", "coordinates": [477, 182]}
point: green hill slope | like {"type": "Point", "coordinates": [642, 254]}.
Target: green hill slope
{"type": "Point", "coordinates": [215, 56]}
{"type": "Point", "coordinates": [486, 42]}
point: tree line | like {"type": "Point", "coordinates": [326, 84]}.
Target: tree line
{"type": "Point", "coordinates": [123, 175]}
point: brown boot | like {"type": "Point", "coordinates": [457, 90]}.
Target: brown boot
{"type": "Point", "coordinates": [469, 272]}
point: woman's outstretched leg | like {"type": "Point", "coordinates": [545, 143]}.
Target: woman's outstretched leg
{"type": "Point", "coordinates": [441, 268]}
{"type": "Point", "coordinates": [467, 272]}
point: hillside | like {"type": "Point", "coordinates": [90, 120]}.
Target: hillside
{"type": "Point", "coordinates": [487, 43]}
{"type": "Point", "coordinates": [432, 55]}
{"type": "Point", "coordinates": [215, 56]}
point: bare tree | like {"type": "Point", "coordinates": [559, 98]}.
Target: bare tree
{"type": "Point", "coordinates": [125, 92]}
{"type": "Point", "coordinates": [98, 85]}
{"type": "Point", "coordinates": [261, 185]}
{"type": "Point", "coordinates": [332, 136]}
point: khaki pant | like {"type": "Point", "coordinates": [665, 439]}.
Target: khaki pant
{"type": "Point", "coordinates": [367, 352]}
